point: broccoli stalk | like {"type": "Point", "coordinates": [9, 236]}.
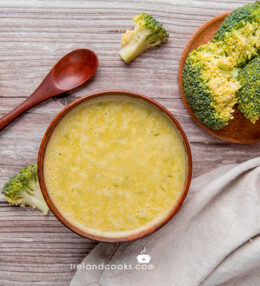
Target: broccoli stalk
{"type": "Point", "coordinates": [23, 189]}
{"type": "Point", "coordinates": [148, 33]}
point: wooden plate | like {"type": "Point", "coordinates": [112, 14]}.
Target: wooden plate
{"type": "Point", "coordinates": [239, 129]}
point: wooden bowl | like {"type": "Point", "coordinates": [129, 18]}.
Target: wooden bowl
{"type": "Point", "coordinates": [57, 213]}
{"type": "Point", "coordinates": [239, 129]}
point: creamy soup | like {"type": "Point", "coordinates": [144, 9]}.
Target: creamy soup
{"type": "Point", "coordinates": [116, 166]}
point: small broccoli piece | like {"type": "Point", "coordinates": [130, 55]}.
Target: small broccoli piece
{"type": "Point", "coordinates": [148, 33]}
{"type": "Point", "coordinates": [249, 93]}
{"type": "Point", "coordinates": [23, 189]}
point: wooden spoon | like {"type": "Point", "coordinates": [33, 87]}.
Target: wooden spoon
{"type": "Point", "coordinates": [69, 72]}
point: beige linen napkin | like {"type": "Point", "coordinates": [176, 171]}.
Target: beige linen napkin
{"type": "Point", "coordinates": [213, 240]}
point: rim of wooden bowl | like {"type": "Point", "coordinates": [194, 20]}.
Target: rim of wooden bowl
{"type": "Point", "coordinates": [226, 132]}
{"type": "Point", "coordinates": [53, 208]}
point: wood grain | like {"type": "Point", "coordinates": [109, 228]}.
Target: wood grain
{"type": "Point", "coordinates": [38, 250]}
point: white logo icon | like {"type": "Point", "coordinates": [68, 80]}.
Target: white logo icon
{"type": "Point", "coordinates": [143, 258]}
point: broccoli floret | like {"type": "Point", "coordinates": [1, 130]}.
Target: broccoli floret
{"type": "Point", "coordinates": [148, 33]}
{"type": "Point", "coordinates": [23, 189]}
{"type": "Point", "coordinates": [240, 34]}
{"type": "Point", "coordinates": [193, 84]}
{"type": "Point", "coordinates": [210, 75]}
{"type": "Point", "coordinates": [237, 19]}
{"type": "Point", "coordinates": [249, 93]}
{"type": "Point", "coordinates": [209, 85]}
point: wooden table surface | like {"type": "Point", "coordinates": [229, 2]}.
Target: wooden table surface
{"type": "Point", "coordinates": [37, 249]}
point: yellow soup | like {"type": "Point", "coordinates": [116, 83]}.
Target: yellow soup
{"type": "Point", "coordinates": [116, 166]}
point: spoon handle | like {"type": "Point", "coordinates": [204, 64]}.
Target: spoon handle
{"type": "Point", "coordinates": [29, 102]}
{"type": "Point", "coordinates": [44, 91]}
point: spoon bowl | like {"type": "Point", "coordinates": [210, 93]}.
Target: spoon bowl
{"type": "Point", "coordinates": [71, 71]}
{"type": "Point", "coordinates": [74, 69]}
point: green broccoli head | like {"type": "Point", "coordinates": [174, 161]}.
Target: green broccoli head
{"type": "Point", "coordinates": [23, 189]}
{"type": "Point", "coordinates": [238, 18]}
{"type": "Point", "coordinates": [249, 93]}
{"type": "Point", "coordinates": [240, 34]}
{"type": "Point", "coordinates": [199, 96]}
{"type": "Point", "coordinates": [148, 33]}
{"type": "Point", "coordinates": [210, 76]}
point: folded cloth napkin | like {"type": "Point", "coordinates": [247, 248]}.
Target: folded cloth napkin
{"type": "Point", "coordinates": [213, 240]}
